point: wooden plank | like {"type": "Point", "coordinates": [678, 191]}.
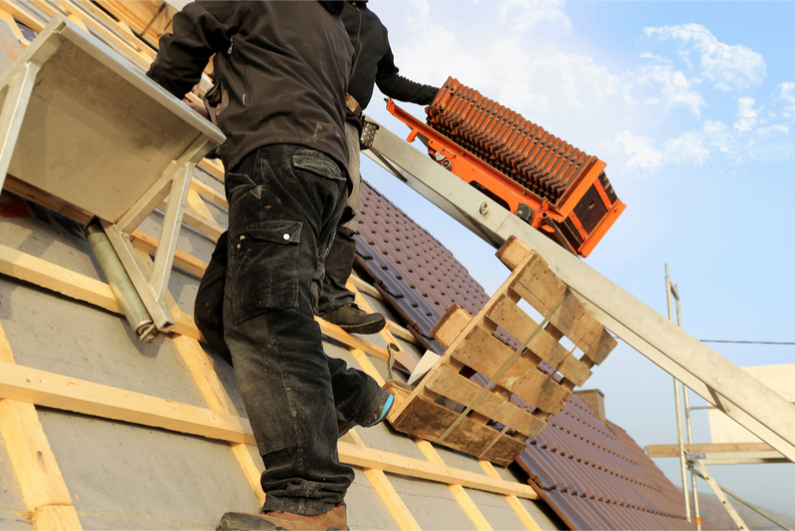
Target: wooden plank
{"type": "Point", "coordinates": [464, 391]}
{"type": "Point", "coordinates": [56, 518]}
{"type": "Point", "coordinates": [23, 15]}
{"type": "Point", "coordinates": [56, 278]}
{"type": "Point", "coordinates": [140, 14]}
{"type": "Point", "coordinates": [6, 355]}
{"type": "Point", "coordinates": [398, 464]}
{"type": "Point", "coordinates": [209, 193]}
{"type": "Point", "coordinates": [213, 167]}
{"type": "Point", "coordinates": [140, 55]}
{"type": "Point", "coordinates": [383, 487]}
{"type": "Point", "coordinates": [403, 333]}
{"type": "Point", "coordinates": [428, 420]}
{"type": "Point", "coordinates": [335, 332]}
{"type": "Point", "coordinates": [574, 370]}
{"type": "Point", "coordinates": [521, 326]}
{"type": "Point", "coordinates": [364, 287]}
{"type": "Point", "coordinates": [672, 450]}
{"type": "Point", "coordinates": [40, 480]}
{"type": "Point", "coordinates": [197, 204]}
{"type": "Point", "coordinates": [542, 289]}
{"type": "Point", "coordinates": [449, 327]}
{"type": "Point", "coordinates": [513, 501]}
{"type": "Point", "coordinates": [61, 392]}
{"type": "Point", "coordinates": [464, 501]}
{"type": "Point", "coordinates": [394, 503]}
{"type": "Point", "coordinates": [109, 22]}
{"type": "Point", "coordinates": [486, 354]}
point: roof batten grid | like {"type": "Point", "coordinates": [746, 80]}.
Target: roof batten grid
{"type": "Point", "coordinates": [592, 475]}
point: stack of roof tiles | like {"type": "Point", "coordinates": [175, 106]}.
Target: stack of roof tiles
{"type": "Point", "coordinates": [520, 149]}
{"type": "Point", "coordinates": [592, 475]}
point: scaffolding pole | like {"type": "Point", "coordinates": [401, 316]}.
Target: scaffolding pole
{"type": "Point", "coordinates": [678, 404]}
{"type": "Point", "coordinates": [688, 427]}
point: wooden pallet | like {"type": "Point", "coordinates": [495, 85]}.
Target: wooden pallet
{"type": "Point", "coordinates": [474, 346]}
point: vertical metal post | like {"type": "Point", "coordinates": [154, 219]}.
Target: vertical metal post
{"type": "Point", "coordinates": [696, 511]}
{"type": "Point", "coordinates": [678, 404]}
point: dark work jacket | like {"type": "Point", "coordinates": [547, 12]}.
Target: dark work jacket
{"type": "Point", "coordinates": [281, 71]}
{"type": "Point", "coordinates": [373, 62]}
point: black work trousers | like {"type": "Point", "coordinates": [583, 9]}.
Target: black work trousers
{"type": "Point", "coordinates": [254, 306]}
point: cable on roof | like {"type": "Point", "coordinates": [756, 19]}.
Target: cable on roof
{"type": "Point", "coordinates": [747, 342]}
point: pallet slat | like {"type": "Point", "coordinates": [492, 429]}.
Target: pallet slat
{"type": "Point", "coordinates": [463, 390]}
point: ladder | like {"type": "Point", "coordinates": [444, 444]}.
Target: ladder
{"type": "Point", "coordinates": [722, 384]}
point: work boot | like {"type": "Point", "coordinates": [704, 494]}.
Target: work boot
{"type": "Point", "coordinates": [333, 520]}
{"type": "Point", "coordinates": [374, 414]}
{"type": "Point", "coordinates": [354, 320]}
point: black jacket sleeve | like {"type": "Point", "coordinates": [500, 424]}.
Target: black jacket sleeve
{"type": "Point", "coordinates": [398, 87]}
{"type": "Point", "coordinates": [200, 30]}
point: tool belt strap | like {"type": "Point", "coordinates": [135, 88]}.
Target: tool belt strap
{"type": "Point", "coordinates": [353, 106]}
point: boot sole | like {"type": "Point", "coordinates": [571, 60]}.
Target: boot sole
{"type": "Point", "coordinates": [250, 522]}
{"type": "Point", "coordinates": [365, 329]}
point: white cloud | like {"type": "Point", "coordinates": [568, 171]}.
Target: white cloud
{"type": "Point", "coordinates": [727, 67]}
{"type": "Point", "coordinates": [719, 136]}
{"type": "Point", "coordinates": [535, 14]}
{"type": "Point", "coordinates": [746, 115]}
{"type": "Point", "coordinates": [642, 155]}
{"type": "Point", "coordinates": [675, 89]}
{"type": "Point", "coordinates": [786, 92]}
{"type": "Point", "coordinates": [777, 128]}
{"type": "Point", "coordinates": [688, 149]}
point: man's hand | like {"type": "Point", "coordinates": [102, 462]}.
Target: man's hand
{"type": "Point", "coordinates": [200, 109]}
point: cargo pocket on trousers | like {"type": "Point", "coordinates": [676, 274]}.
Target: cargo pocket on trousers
{"type": "Point", "coordinates": [263, 261]}
{"type": "Point", "coordinates": [318, 163]}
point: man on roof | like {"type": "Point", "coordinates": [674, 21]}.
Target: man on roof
{"type": "Point", "coordinates": [373, 63]}
{"type": "Point", "coordinates": [282, 71]}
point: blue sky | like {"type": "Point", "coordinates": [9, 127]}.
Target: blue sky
{"type": "Point", "coordinates": [692, 106]}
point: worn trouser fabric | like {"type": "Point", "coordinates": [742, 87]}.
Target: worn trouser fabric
{"type": "Point", "coordinates": [339, 261]}
{"type": "Point", "coordinates": [284, 202]}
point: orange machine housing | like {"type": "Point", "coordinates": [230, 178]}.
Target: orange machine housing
{"type": "Point", "coordinates": [552, 185]}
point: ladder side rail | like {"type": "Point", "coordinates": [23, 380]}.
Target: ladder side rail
{"type": "Point", "coordinates": [747, 401]}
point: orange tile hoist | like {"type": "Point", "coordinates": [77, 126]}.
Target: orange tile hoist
{"type": "Point", "coordinates": [549, 183]}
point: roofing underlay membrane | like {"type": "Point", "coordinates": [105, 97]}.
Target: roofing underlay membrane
{"type": "Point", "coordinates": [594, 476]}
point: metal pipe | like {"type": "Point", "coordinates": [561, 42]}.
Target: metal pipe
{"type": "Point", "coordinates": [694, 486]}
{"type": "Point", "coordinates": [678, 404]}
{"type": "Point", "coordinates": [120, 283]}
{"type": "Point", "coordinates": [746, 503]}
{"type": "Point", "coordinates": [688, 426]}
